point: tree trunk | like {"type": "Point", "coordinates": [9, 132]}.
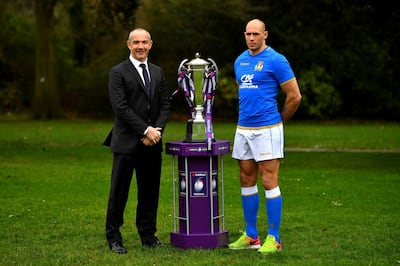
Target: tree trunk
{"type": "Point", "coordinates": [46, 102]}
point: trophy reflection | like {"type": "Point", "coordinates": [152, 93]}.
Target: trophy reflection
{"type": "Point", "coordinates": [198, 80]}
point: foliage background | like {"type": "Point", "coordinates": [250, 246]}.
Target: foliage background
{"type": "Point", "coordinates": [344, 53]}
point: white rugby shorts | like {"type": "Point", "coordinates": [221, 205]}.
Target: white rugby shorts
{"type": "Point", "coordinates": [259, 144]}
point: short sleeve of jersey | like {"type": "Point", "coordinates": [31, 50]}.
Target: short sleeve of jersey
{"type": "Point", "coordinates": [282, 70]}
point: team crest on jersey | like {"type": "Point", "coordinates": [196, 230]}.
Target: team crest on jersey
{"type": "Point", "coordinates": [259, 66]}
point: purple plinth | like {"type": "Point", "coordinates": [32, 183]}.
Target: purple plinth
{"type": "Point", "coordinates": [199, 217]}
{"type": "Point", "coordinates": [182, 148]}
{"type": "Point", "coordinates": [206, 241]}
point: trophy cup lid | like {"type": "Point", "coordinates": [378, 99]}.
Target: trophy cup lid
{"type": "Point", "coordinates": [197, 61]}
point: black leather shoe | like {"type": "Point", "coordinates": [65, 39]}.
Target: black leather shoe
{"type": "Point", "coordinates": [152, 242]}
{"type": "Point", "coordinates": [117, 247]}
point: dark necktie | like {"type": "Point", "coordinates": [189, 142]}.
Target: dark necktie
{"type": "Point", "coordinates": [146, 79]}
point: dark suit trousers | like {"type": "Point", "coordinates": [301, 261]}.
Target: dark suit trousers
{"type": "Point", "coordinates": [147, 164]}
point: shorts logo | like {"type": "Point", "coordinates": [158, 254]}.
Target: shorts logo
{"type": "Point", "coordinates": [259, 66]}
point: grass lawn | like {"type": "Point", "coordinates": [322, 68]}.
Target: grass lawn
{"type": "Point", "coordinates": [339, 182]}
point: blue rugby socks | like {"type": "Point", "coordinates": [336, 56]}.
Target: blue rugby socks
{"type": "Point", "coordinates": [274, 211]}
{"type": "Point", "coordinates": [250, 203]}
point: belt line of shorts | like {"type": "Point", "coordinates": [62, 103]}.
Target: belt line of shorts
{"type": "Point", "coordinates": [256, 128]}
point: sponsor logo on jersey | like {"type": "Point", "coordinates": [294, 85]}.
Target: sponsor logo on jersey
{"type": "Point", "coordinates": [247, 82]}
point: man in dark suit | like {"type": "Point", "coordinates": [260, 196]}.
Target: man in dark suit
{"type": "Point", "coordinates": [141, 107]}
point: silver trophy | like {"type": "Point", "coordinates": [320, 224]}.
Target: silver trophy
{"type": "Point", "coordinates": [198, 80]}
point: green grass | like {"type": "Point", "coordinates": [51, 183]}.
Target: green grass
{"type": "Point", "coordinates": [340, 207]}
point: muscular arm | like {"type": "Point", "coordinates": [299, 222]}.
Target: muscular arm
{"type": "Point", "coordinates": [292, 101]}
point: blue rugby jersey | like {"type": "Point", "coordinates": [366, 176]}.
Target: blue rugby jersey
{"type": "Point", "coordinates": [259, 78]}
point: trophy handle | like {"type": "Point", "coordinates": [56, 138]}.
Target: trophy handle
{"type": "Point", "coordinates": [215, 66]}
{"type": "Point", "coordinates": [181, 65]}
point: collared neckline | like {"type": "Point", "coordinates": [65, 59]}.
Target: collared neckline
{"type": "Point", "coordinates": [137, 63]}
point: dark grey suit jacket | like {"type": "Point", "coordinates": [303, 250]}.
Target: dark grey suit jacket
{"type": "Point", "coordinates": [133, 110]}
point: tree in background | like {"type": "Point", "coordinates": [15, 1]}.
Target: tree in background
{"type": "Point", "coordinates": [354, 42]}
{"type": "Point", "coordinates": [46, 101]}
{"type": "Point", "coordinates": [87, 41]}
{"type": "Point", "coordinates": [344, 53]}
{"type": "Point", "coordinates": [182, 28]}
{"type": "Point", "coordinates": [17, 51]}
{"type": "Point", "coordinates": [94, 38]}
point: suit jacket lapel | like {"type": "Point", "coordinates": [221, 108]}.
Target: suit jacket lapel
{"type": "Point", "coordinates": [135, 73]}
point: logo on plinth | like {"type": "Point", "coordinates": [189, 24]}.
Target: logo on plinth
{"type": "Point", "coordinates": [199, 184]}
